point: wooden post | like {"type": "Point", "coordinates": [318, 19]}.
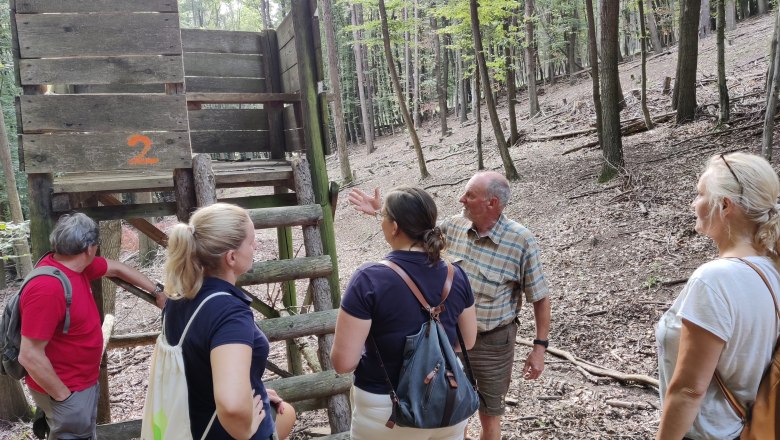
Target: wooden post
{"type": "Point", "coordinates": [307, 73]}
{"type": "Point", "coordinates": [338, 405]}
{"type": "Point", "coordinates": [205, 183]}
{"type": "Point", "coordinates": [184, 189]}
{"type": "Point", "coordinates": [39, 188]}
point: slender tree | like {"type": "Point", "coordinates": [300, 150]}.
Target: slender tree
{"type": "Point", "coordinates": [477, 106]}
{"type": "Point", "coordinates": [731, 15]}
{"type": "Point", "coordinates": [21, 248]}
{"type": "Point", "coordinates": [643, 48]}
{"type": "Point", "coordinates": [723, 90]}
{"type": "Point", "coordinates": [612, 148]}
{"type": "Point", "coordinates": [439, 69]}
{"type": "Point", "coordinates": [653, 26]}
{"type": "Point", "coordinates": [335, 89]}
{"type": "Point", "coordinates": [503, 149]}
{"type": "Point", "coordinates": [530, 58]}
{"type": "Point", "coordinates": [398, 92]}
{"type": "Point", "coordinates": [511, 91]}
{"type": "Point", "coordinates": [704, 19]}
{"type": "Point", "coordinates": [771, 95]}
{"type": "Point", "coordinates": [368, 126]}
{"type": "Point", "coordinates": [684, 95]}
{"type": "Point", "coordinates": [594, 69]}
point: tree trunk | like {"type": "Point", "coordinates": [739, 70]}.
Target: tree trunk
{"type": "Point", "coordinates": [731, 15]}
{"type": "Point", "coordinates": [653, 27]}
{"type": "Point", "coordinates": [335, 90]}
{"type": "Point", "coordinates": [464, 102]}
{"type": "Point", "coordinates": [594, 69]}
{"type": "Point", "coordinates": [763, 6]}
{"type": "Point", "coordinates": [438, 69]}
{"type": "Point", "coordinates": [684, 95]}
{"type": "Point", "coordinates": [511, 91]}
{"type": "Point", "coordinates": [368, 126]}
{"type": "Point", "coordinates": [21, 248]}
{"type": "Point", "coordinates": [771, 97]}
{"type": "Point", "coordinates": [477, 103]}
{"type": "Point", "coordinates": [416, 98]}
{"type": "Point", "coordinates": [399, 94]}
{"type": "Point", "coordinates": [503, 149]}
{"type": "Point", "coordinates": [704, 19]}
{"type": "Point", "coordinates": [744, 8]}
{"type": "Point", "coordinates": [13, 404]}
{"type": "Point", "coordinates": [643, 48]}
{"type": "Point", "coordinates": [147, 248]}
{"type": "Point", "coordinates": [723, 90]}
{"type": "Point", "coordinates": [530, 58]}
{"type": "Point", "coordinates": [612, 148]}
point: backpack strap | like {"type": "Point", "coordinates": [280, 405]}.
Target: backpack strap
{"type": "Point", "coordinates": [738, 408]}
{"type": "Point", "coordinates": [66, 287]}
{"type": "Point", "coordinates": [192, 318]}
{"type": "Point", "coordinates": [433, 311]}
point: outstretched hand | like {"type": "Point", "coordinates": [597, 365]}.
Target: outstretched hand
{"type": "Point", "coordinates": [364, 203]}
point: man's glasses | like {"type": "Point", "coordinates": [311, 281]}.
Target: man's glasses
{"type": "Point", "coordinates": [741, 189]}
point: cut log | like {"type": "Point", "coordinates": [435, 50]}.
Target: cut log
{"type": "Point", "coordinates": [285, 270]}
{"type": "Point", "coordinates": [302, 215]}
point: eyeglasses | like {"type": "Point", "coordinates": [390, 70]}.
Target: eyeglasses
{"type": "Point", "coordinates": [741, 189]}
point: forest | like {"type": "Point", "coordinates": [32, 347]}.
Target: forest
{"type": "Point", "coordinates": [429, 91]}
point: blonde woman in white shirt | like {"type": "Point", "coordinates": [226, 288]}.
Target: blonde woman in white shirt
{"type": "Point", "coordinates": [724, 319]}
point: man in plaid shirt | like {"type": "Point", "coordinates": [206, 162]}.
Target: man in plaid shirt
{"type": "Point", "coordinates": [501, 259]}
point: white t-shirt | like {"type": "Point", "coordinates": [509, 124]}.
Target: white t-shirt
{"type": "Point", "coordinates": [727, 298]}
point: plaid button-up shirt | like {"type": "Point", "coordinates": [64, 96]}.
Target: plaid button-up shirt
{"type": "Point", "coordinates": [500, 266]}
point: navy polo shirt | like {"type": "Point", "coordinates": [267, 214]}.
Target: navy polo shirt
{"type": "Point", "coordinates": [225, 319]}
{"type": "Point", "coordinates": [376, 292]}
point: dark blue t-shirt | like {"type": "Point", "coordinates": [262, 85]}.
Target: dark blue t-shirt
{"type": "Point", "coordinates": [376, 292]}
{"type": "Point", "coordinates": [225, 319]}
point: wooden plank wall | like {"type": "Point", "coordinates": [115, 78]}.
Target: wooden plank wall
{"type": "Point", "coordinates": [87, 45]}
{"type": "Point", "coordinates": [228, 62]}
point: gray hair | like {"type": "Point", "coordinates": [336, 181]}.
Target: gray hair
{"type": "Point", "coordinates": [73, 234]}
{"type": "Point", "coordinates": [498, 188]}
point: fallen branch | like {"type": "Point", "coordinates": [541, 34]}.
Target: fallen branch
{"type": "Point", "coordinates": [448, 184]}
{"type": "Point", "coordinates": [595, 370]}
{"type": "Point", "coordinates": [630, 405]}
{"type": "Point", "coordinates": [674, 282]}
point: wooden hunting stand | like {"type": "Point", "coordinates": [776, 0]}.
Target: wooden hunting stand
{"type": "Point", "coordinates": [135, 97]}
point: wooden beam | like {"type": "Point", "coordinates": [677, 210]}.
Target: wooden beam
{"type": "Point", "coordinates": [140, 69]}
{"type": "Point", "coordinates": [285, 270]}
{"type": "Point", "coordinates": [311, 386]}
{"type": "Point", "coordinates": [298, 215]}
{"type": "Point", "coordinates": [276, 329]}
{"type": "Point", "coordinates": [267, 201]}
{"type": "Point", "coordinates": [119, 212]}
{"type": "Point", "coordinates": [242, 98]}
{"type": "Point", "coordinates": [218, 41]}
{"type": "Point", "coordinates": [83, 6]}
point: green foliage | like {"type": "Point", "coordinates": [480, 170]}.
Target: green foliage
{"type": "Point", "coordinates": [11, 233]}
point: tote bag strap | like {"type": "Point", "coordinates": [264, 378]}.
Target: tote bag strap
{"type": "Point", "coordinates": [732, 399]}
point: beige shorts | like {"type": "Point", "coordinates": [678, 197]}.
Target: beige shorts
{"type": "Point", "coordinates": [371, 411]}
{"type": "Point", "coordinates": [491, 359]}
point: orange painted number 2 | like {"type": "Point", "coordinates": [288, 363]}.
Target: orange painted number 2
{"type": "Point", "coordinates": [140, 158]}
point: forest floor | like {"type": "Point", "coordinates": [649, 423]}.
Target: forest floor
{"type": "Point", "coordinates": [615, 254]}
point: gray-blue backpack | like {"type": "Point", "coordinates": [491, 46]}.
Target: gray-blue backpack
{"type": "Point", "coordinates": [433, 389]}
{"type": "Point", "coordinates": [11, 321]}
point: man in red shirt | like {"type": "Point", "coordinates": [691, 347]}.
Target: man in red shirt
{"type": "Point", "coordinates": [63, 368]}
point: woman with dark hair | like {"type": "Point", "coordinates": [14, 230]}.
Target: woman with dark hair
{"type": "Point", "coordinates": [723, 323]}
{"type": "Point", "coordinates": [377, 304]}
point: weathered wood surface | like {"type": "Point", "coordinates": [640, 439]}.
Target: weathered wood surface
{"type": "Point", "coordinates": [228, 119]}
{"type": "Point", "coordinates": [141, 224]}
{"type": "Point", "coordinates": [76, 6]}
{"type": "Point", "coordinates": [229, 141]}
{"type": "Point", "coordinates": [143, 69]}
{"type": "Point", "coordinates": [285, 270]}
{"type": "Point", "coordinates": [41, 217]}
{"type": "Point", "coordinates": [213, 84]}
{"type": "Point", "coordinates": [277, 329]}
{"type": "Point", "coordinates": [311, 386]}
{"type": "Point", "coordinates": [265, 201]}
{"type": "Point", "coordinates": [274, 85]}
{"type": "Point", "coordinates": [84, 152]}
{"type": "Point", "coordinates": [286, 216]}
{"type": "Point", "coordinates": [227, 174]}
{"type": "Point", "coordinates": [216, 41]}
{"type": "Point", "coordinates": [223, 65]}
{"type": "Point", "coordinates": [285, 32]}
{"type": "Point", "coordinates": [205, 187]}
{"type": "Point", "coordinates": [340, 436]}
{"type": "Point", "coordinates": [128, 430]}
{"type": "Point", "coordinates": [184, 190]}
{"type": "Point", "coordinates": [99, 213]}
{"type": "Point", "coordinates": [242, 98]}
{"type": "Point", "coordinates": [119, 88]}
{"type": "Point", "coordinates": [103, 113]}
{"type": "Point", "coordinates": [107, 329]}
{"type": "Point", "coordinates": [68, 35]}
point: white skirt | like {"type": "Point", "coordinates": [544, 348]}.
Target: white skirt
{"type": "Point", "coordinates": [371, 411]}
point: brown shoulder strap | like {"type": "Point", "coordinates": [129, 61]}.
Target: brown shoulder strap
{"type": "Point", "coordinates": [434, 311]}
{"type": "Point", "coordinates": [738, 408]}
